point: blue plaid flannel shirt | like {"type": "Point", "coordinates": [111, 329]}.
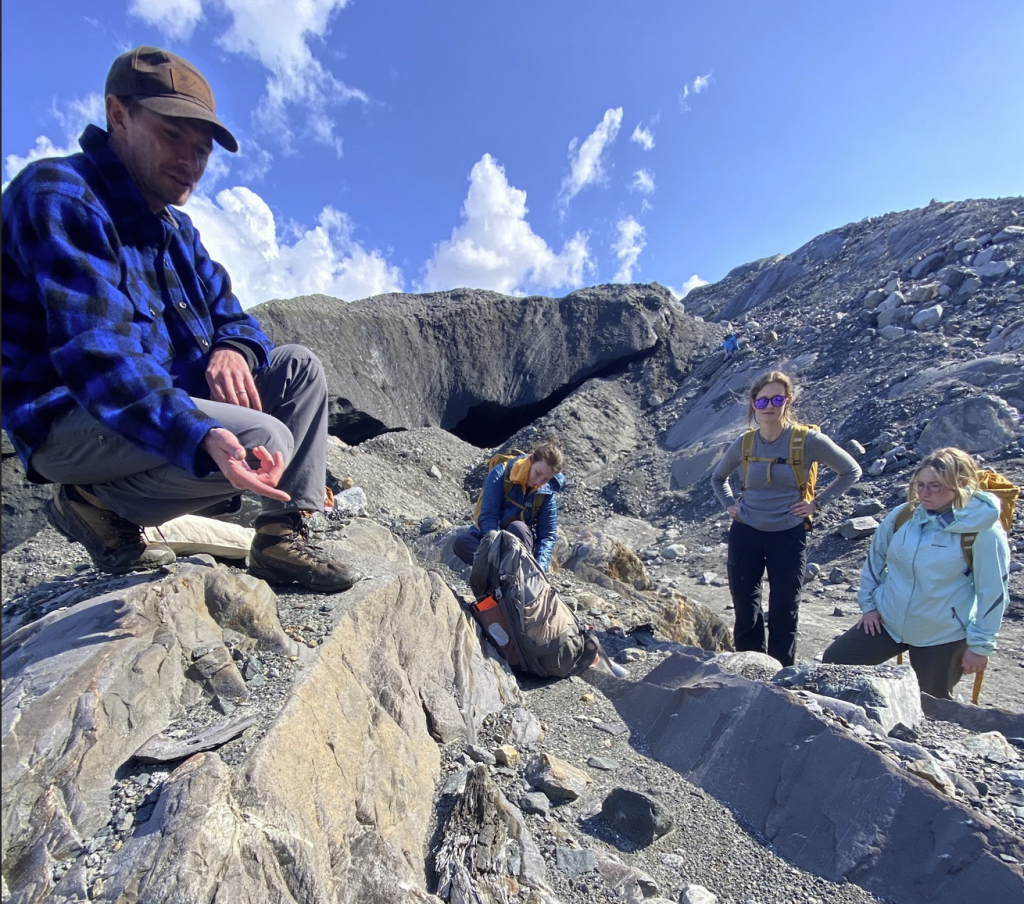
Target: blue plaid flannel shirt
{"type": "Point", "coordinates": [112, 307]}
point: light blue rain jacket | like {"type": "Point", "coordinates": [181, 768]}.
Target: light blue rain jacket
{"type": "Point", "coordinates": [918, 580]}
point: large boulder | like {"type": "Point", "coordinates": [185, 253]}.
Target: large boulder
{"type": "Point", "coordinates": [978, 424]}
{"type": "Point", "coordinates": [889, 694]}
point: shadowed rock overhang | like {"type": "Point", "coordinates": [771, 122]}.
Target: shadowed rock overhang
{"type": "Point", "coordinates": [478, 364]}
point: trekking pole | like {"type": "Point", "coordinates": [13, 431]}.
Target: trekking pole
{"type": "Point", "coordinates": [977, 687]}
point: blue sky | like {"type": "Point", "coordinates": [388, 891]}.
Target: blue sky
{"type": "Point", "coordinates": [538, 147]}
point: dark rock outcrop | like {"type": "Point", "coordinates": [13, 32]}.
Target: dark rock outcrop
{"type": "Point", "coordinates": [477, 363]}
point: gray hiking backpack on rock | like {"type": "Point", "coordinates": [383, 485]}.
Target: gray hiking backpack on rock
{"type": "Point", "coordinates": [521, 613]}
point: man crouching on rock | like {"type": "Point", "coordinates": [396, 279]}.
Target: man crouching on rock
{"type": "Point", "coordinates": [131, 375]}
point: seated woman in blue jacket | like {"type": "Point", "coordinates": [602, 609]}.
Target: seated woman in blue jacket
{"type": "Point", "coordinates": [519, 496]}
{"type": "Point", "coordinates": [918, 592]}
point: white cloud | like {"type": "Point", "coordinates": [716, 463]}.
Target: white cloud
{"type": "Point", "coordinates": [78, 113]}
{"type": "Point", "coordinates": [14, 164]}
{"type": "Point", "coordinates": [692, 283]}
{"type": "Point", "coordinates": [495, 247]}
{"type": "Point", "coordinates": [239, 231]}
{"type": "Point", "coordinates": [585, 167]}
{"type": "Point", "coordinates": [217, 168]}
{"type": "Point", "coordinates": [628, 246]}
{"type": "Point", "coordinates": [643, 137]}
{"type": "Point", "coordinates": [73, 118]}
{"type": "Point", "coordinates": [277, 35]}
{"type": "Point", "coordinates": [697, 86]}
{"type": "Point", "coordinates": [176, 19]}
{"type": "Point", "coordinates": [643, 182]}
{"type": "Point", "coordinates": [256, 162]}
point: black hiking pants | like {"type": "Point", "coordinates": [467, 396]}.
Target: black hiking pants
{"type": "Point", "coordinates": [784, 555]}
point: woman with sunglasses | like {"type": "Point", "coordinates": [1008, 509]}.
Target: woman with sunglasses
{"type": "Point", "coordinates": [770, 518]}
{"type": "Point", "coordinates": [918, 589]}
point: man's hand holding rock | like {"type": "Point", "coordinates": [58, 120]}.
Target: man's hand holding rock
{"type": "Point", "coordinates": [230, 456]}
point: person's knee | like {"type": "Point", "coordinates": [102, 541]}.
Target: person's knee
{"type": "Point", "coordinates": [301, 359]}
{"type": "Point", "coordinates": [521, 531]}
{"type": "Point", "coordinates": [465, 545]}
{"type": "Point", "coordinates": [269, 432]}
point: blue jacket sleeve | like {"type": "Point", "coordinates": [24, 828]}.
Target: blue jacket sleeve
{"type": "Point", "coordinates": [547, 531]}
{"type": "Point", "coordinates": [97, 346]}
{"type": "Point", "coordinates": [494, 497]}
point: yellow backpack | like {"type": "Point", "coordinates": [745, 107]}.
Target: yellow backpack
{"type": "Point", "coordinates": [990, 482]}
{"type": "Point", "coordinates": [806, 479]}
{"type": "Point", "coordinates": [507, 458]}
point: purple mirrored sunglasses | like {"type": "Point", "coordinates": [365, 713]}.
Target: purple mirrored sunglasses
{"type": "Point", "coordinates": [777, 402]}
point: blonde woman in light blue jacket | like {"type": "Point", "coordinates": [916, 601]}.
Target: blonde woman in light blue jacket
{"type": "Point", "coordinates": [917, 591]}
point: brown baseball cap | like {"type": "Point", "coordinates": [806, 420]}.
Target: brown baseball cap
{"type": "Point", "coordinates": [165, 83]}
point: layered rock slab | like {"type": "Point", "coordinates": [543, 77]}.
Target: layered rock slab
{"type": "Point", "coordinates": [825, 800]}
{"type": "Point", "coordinates": [333, 803]}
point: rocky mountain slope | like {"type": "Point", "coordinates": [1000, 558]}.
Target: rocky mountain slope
{"type": "Point", "coordinates": [362, 735]}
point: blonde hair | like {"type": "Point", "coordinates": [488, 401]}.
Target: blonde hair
{"type": "Point", "coordinates": [956, 471]}
{"type": "Point", "coordinates": [773, 376]}
{"type": "Point", "coordinates": [549, 452]}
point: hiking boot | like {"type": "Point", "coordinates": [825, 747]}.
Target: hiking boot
{"type": "Point", "coordinates": [115, 544]}
{"type": "Point", "coordinates": [282, 553]}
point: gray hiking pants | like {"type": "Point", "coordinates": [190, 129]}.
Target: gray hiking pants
{"type": "Point", "coordinates": [148, 490]}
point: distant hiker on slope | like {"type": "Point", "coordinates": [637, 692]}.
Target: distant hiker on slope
{"type": "Point", "coordinates": [730, 345]}
{"type": "Point", "coordinates": [132, 377]}
{"type": "Point", "coordinates": [926, 590]}
{"type": "Point", "coordinates": [778, 460]}
{"type": "Point", "coordinates": [519, 497]}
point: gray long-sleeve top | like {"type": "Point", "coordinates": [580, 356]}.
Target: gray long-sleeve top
{"type": "Point", "coordinates": [771, 487]}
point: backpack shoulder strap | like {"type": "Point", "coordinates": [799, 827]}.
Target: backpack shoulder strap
{"type": "Point", "coordinates": [508, 475]}
{"type": "Point", "coordinates": [492, 464]}
{"type": "Point", "coordinates": [902, 517]}
{"type": "Point", "coordinates": [797, 457]}
{"type": "Point", "coordinates": [747, 449]}
{"type": "Point", "coordinates": [967, 548]}
{"type": "Point", "coordinates": [797, 441]}
{"type": "Point", "coordinates": [806, 477]}
{"type": "Point", "coordinates": [508, 485]}
{"type": "Point", "coordinates": [539, 500]}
